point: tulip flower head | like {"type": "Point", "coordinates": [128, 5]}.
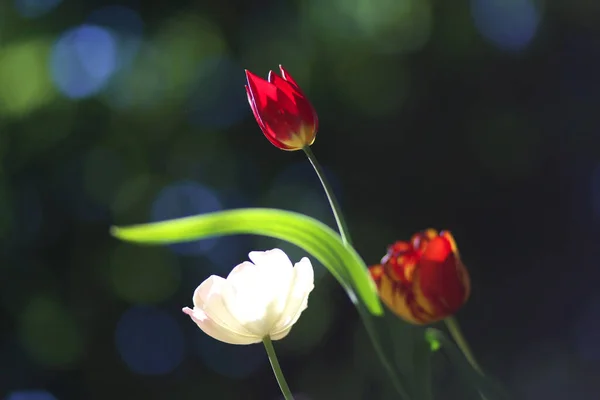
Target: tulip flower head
{"type": "Point", "coordinates": [282, 111]}
{"type": "Point", "coordinates": [423, 280]}
{"type": "Point", "coordinates": [262, 298]}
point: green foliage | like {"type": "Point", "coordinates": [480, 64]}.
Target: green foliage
{"type": "Point", "coordinates": [316, 238]}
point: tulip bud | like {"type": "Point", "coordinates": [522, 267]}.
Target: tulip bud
{"type": "Point", "coordinates": [423, 280]}
{"type": "Point", "coordinates": [282, 111]}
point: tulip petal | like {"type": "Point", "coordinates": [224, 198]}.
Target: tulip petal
{"type": "Point", "coordinates": [278, 115]}
{"type": "Point", "coordinates": [302, 106]}
{"type": "Point", "coordinates": [277, 335]}
{"type": "Point", "coordinates": [216, 331]}
{"type": "Point", "coordinates": [395, 297]}
{"type": "Point", "coordinates": [254, 110]}
{"type": "Point", "coordinates": [261, 91]}
{"type": "Point", "coordinates": [270, 261]}
{"type": "Point", "coordinates": [259, 291]}
{"type": "Point", "coordinates": [211, 297]}
{"type": "Point", "coordinates": [443, 275]}
{"type": "Point", "coordinates": [297, 299]}
{"type": "Point", "coordinates": [246, 300]}
{"type": "Point", "coordinates": [290, 90]}
{"type": "Point", "coordinates": [444, 284]}
{"type": "Point", "coordinates": [277, 277]}
{"type": "Point", "coordinates": [286, 75]}
{"type": "Point", "coordinates": [289, 108]}
{"type": "Point", "coordinates": [243, 276]}
{"type": "Point", "coordinates": [423, 280]}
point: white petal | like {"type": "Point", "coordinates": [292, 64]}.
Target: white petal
{"type": "Point", "coordinates": [297, 301]}
{"type": "Point", "coordinates": [275, 260]}
{"type": "Point", "coordinates": [256, 300]}
{"type": "Point", "coordinates": [261, 290]}
{"type": "Point", "coordinates": [281, 334]}
{"type": "Point", "coordinates": [215, 331]}
{"type": "Point", "coordinates": [243, 276]}
{"type": "Point", "coordinates": [246, 300]}
{"type": "Point", "coordinates": [210, 297]}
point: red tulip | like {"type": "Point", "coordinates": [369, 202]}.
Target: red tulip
{"type": "Point", "coordinates": [423, 280]}
{"type": "Point", "coordinates": [282, 111]}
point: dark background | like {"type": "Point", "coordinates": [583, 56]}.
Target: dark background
{"type": "Point", "coordinates": [479, 117]}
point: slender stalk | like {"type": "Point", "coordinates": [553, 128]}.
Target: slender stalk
{"type": "Point", "coordinates": [462, 343]}
{"type": "Point", "coordinates": [285, 389]}
{"type": "Point", "coordinates": [379, 351]}
{"type": "Point", "coordinates": [343, 229]}
{"type": "Point", "coordinates": [333, 203]}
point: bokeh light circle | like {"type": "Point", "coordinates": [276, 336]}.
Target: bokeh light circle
{"type": "Point", "coordinates": [50, 334]}
{"type": "Point", "coordinates": [509, 24]}
{"type": "Point", "coordinates": [83, 60]}
{"type": "Point", "coordinates": [25, 84]}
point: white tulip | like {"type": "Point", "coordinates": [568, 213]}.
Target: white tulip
{"type": "Point", "coordinates": [259, 299]}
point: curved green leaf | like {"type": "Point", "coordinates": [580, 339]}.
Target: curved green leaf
{"type": "Point", "coordinates": [316, 238]}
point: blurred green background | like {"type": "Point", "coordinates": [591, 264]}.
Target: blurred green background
{"type": "Point", "coordinates": [480, 117]}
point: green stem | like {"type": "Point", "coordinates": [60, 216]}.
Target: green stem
{"type": "Point", "coordinates": [341, 223]}
{"type": "Point", "coordinates": [462, 343]}
{"type": "Point", "coordinates": [364, 315]}
{"type": "Point", "coordinates": [333, 203]}
{"type": "Point", "coordinates": [285, 389]}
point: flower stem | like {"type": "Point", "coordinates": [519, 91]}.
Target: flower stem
{"type": "Point", "coordinates": [333, 203]}
{"type": "Point", "coordinates": [379, 351]}
{"type": "Point", "coordinates": [285, 389]}
{"type": "Point", "coordinates": [343, 229]}
{"type": "Point", "coordinates": [462, 343]}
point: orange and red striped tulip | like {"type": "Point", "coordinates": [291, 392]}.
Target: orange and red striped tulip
{"type": "Point", "coordinates": [281, 110]}
{"type": "Point", "coordinates": [423, 280]}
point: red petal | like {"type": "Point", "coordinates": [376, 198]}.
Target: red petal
{"type": "Point", "coordinates": [443, 278]}
{"type": "Point", "coordinates": [262, 126]}
{"type": "Point", "coordinates": [283, 113]}
{"type": "Point", "coordinates": [253, 108]}
{"type": "Point", "coordinates": [438, 249]}
{"type": "Point", "coordinates": [261, 90]}
{"type": "Point", "coordinates": [288, 78]}
{"type": "Point", "coordinates": [286, 75]}
{"type": "Point", "coordinates": [376, 272]}
{"type": "Point", "coordinates": [301, 106]}
{"type": "Point", "coordinates": [266, 100]}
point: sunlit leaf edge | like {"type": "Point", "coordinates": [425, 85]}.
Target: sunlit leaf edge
{"type": "Point", "coordinates": [313, 236]}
